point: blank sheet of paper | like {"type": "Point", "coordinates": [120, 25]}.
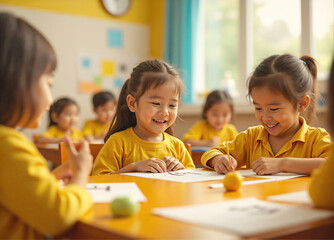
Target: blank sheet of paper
{"type": "Point", "coordinates": [245, 217]}
{"type": "Point", "coordinates": [106, 192]}
{"type": "Point", "coordinates": [295, 197]}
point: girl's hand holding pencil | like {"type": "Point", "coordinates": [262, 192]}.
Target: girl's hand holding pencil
{"type": "Point", "coordinates": [222, 164]}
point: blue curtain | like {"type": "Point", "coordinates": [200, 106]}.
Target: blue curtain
{"type": "Point", "coordinates": [180, 40]}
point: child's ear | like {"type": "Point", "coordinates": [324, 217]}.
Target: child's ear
{"type": "Point", "coordinates": [54, 117]}
{"type": "Point", "coordinates": [303, 103]}
{"type": "Point", "coordinates": [95, 110]}
{"type": "Point", "coordinates": [131, 101]}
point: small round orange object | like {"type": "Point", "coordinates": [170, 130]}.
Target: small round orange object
{"type": "Point", "coordinates": [232, 181]}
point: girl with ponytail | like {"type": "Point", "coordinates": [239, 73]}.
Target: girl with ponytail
{"type": "Point", "coordinates": [282, 89]}
{"type": "Point", "coordinates": [140, 137]}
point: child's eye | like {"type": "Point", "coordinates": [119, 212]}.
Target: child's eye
{"type": "Point", "coordinates": [274, 109]}
{"type": "Point", "coordinates": [172, 105]}
{"type": "Point", "coordinates": [258, 109]}
{"type": "Point", "coordinates": [155, 103]}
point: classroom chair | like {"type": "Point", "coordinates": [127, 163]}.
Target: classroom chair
{"type": "Point", "coordinates": [195, 155]}
{"type": "Point", "coordinates": [94, 149]}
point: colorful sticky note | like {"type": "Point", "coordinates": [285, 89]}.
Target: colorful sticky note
{"type": "Point", "coordinates": [98, 80]}
{"type": "Point", "coordinates": [86, 63]}
{"type": "Point", "coordinates": [115, 38]}
{"type": "Point", "coordinates": [118, 82]}
{"type": "Point", "coordinates": [108, 67]}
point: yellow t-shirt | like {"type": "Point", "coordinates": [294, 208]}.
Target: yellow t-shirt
{"type": "Point", "coordinates": [202, 130]}
{"type": "Point", "coordinates": [94, 127]}
{"type": "Point", "coordinates": [250, 145]}
{"type": "Point", "coordinates": [125, 147]}
{"type": "Point", "coordinates": [55, 132]}
{"type": "Point", "coordinates": [321, 186]}
{"type": "Point", "coordinates": [33, 203]}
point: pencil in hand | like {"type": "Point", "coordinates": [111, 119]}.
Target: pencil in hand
{"type": "Point", "coordinates": [228, 154]}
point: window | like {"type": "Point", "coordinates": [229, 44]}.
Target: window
{"type": "Point", "coordinates": [239, 34]}
{"type": "Point", "coordinates": [323, 32]}
{"type": "Point", "coordinates": [277, 28]}
{"type": "Point", "coordinates": [222, 45]}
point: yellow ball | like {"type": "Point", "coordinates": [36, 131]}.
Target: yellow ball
{"type": "Point", "coordinates": [232, 181]}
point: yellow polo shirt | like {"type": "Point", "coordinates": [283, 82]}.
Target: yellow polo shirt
{"type": "Point", "coordinates": [55, 132]}
{"type": "Point", "coordinates": [125, 147]}
{"type": "Point", "coordinates": [202, 130]}
{"type": "Point", "coordinates": [32, 202]}
{"type": "Point", "coordinates": [94, 127]}
{"type": "Point", "coordinates": [250, 145]}
{"type": "Point", "coordinates": [322, 183]}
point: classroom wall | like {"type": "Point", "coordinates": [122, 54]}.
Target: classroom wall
{"type": "Point", "coordinates": [147, 12]}
{"type": "Point", "coordinates": [71, 28]}
{"type": "Point", "coordinates": [76, 31]}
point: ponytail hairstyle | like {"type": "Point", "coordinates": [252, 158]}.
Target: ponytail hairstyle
{"type": "Point", "coordinates": [331, 99]}
{"type": "Point", "coordinates": [146, 75]}
{"type": "Point", "coordinates": [290, 76]}
{"type": "Point", "coordinates": [58, 107]}
{"type": "Point", "coordinates": [217, 96]}
{"type": "Point", "coordinates": [25, 55]}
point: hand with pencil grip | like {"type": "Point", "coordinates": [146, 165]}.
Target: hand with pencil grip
{"type": "Point", "coordinates": [223, 163]}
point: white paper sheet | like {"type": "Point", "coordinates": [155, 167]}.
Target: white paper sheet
{"type": "Point", "coordinates": [183, 176]}
{"type": "Point", "coordinates": [106, 192]}
{"type": "Point", "coordinates": [201, 175]}
{"type": "Point", "coordinates": [276, 177]}
{"type": "Point", "coordinates": [295, 197]}
{"type": "Point", "coordinates": [245, 217]}
{"type": "Point", "coordinates": [220, 185]}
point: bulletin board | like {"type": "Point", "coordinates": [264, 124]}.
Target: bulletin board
{"type": "Point", "coordinates": [93, 54]}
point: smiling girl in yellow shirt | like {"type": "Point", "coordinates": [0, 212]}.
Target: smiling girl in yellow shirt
{"type": "Point", "coordinates": [215, 127]}
{"type": "Point", "coordinates": [282, 87]}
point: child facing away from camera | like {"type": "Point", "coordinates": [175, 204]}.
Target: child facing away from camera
{"type": "Point", "coordinates": [215, 127]}
{"type": "Point", "coordinates": [282, 87]}
{"type": "Point", "coordinates": [33, 204]}
{"type": "Point", "coordinates": [63, 119]}
{"type": "Point", "coordinates": [321, 186]}
{"type": "Point", "coordinates": [140, 139]}
{"type": "Point", "coordinates": [104, 107]}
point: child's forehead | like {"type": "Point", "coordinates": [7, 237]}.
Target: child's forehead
{"type": "Point", "coordinates": [71, 108]}
{"type": "Point", "coordinates": [265, 95]}
{"type": "Point", "coordinates": [167, 89]}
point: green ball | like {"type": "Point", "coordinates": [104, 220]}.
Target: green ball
{"type": "Point", "coordinates": [124, 206]}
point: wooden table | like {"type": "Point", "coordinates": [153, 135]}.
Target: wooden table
{"type": "Point", "coordinates": [99, 223]}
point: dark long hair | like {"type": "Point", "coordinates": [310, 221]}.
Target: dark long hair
{"type": "Point", "coordinates": [146, 75]}
{"type": "Point", "coordinates": [25, 55]}
{"type": "Point", "coordinates": [290, 76]}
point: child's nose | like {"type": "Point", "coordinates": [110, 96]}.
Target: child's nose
{"type": "Point", "coordinates": [266, 115]}
{"type": "Point", "coordinates": [164, 110]}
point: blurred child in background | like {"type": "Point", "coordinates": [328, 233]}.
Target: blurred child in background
{"type": "Point", "coordinates": [141, 140]}
{"type": "Point", "coordinates": [63, 117]}
{"type": "Point", "coordinates": [282, 88]}
{"type": "Point", "coordinates": [104, 107]}
{"type": "Point", "coordinates": [215, 127]}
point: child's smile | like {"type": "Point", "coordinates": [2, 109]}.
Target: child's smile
{"type": "Point", "coordinates": [276, 113]}
{"type": "Point", "coordinates": [155, 111]}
